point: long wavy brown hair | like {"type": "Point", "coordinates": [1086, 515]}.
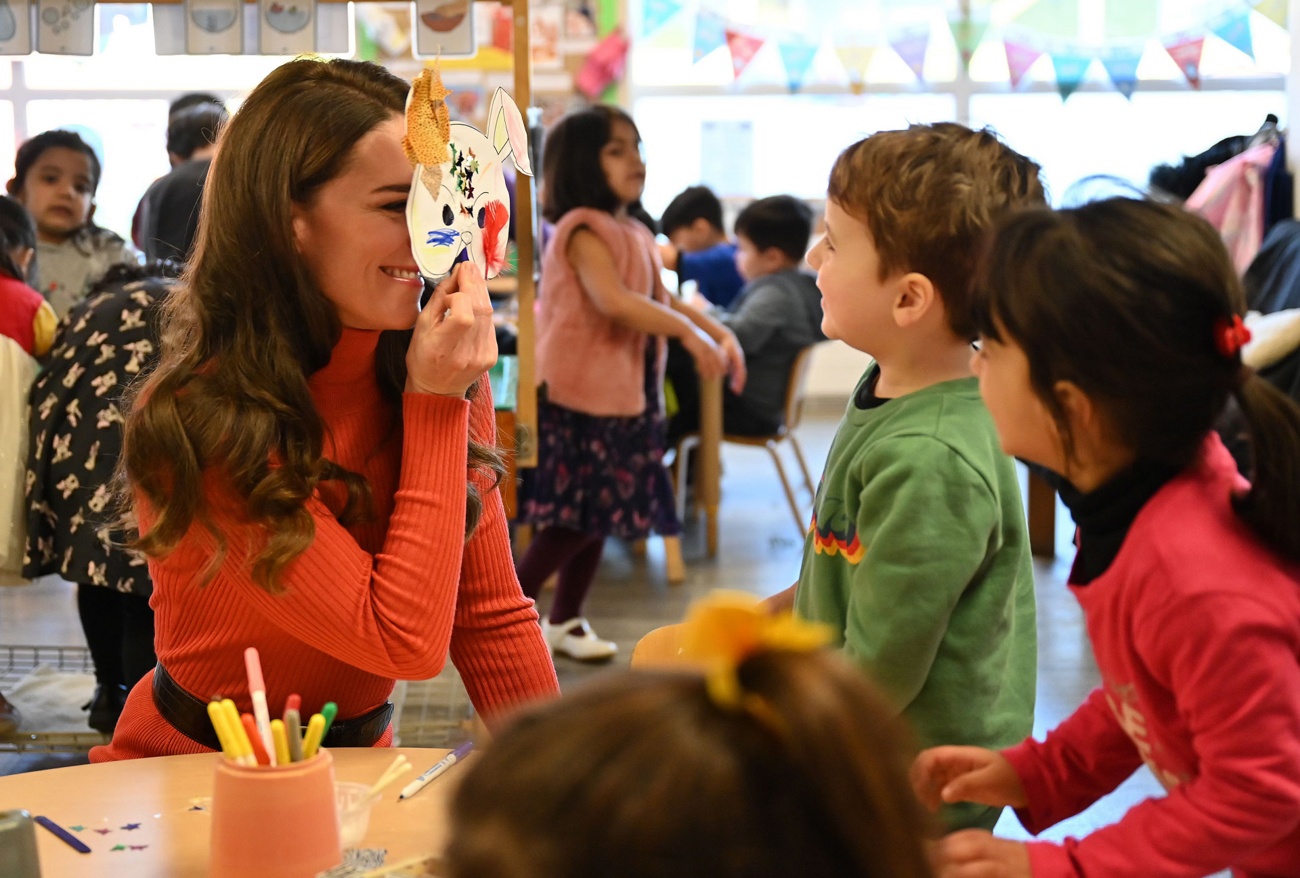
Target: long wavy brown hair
{"type": "Point", "coordinates": [249, 325]}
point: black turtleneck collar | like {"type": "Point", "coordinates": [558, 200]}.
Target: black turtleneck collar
{"type": "Point", "coordinates": [1105, 514]}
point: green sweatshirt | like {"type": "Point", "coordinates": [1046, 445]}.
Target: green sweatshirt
{"type": "Point", "coordinates": [918, 556]}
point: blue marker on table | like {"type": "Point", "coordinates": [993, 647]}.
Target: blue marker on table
{"type": "Point", "coordinates": [438, 768]}
{"type": "Point", "coordinates": [73, 842]}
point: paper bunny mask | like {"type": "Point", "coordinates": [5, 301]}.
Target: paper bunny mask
{"type": "Point", "coordinates": [458, 199]}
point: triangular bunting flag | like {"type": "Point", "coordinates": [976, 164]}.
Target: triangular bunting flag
{"type": "Point", "coordinates": [856, 60]}
{"type": "Point", "coordinates": [656, 13]}
{"type": "Point", "coordinates": [1122, 68]}
{"type": "Point", "coordinates": [1019, 60]}
{"type": "Point", "coordinates": [797, 58]}
{"type": "Point", "coordinates": [743, 48]}
{"type": "Point", "coordinates": [710, 34]}
{"type": "Point", "coordinates": [1274, 10]}
{"type": "Point", "coordinates": [1070, 71]}
{"type": "Point", "coordinates": [910, 44]}
{"type": "Point", "coordinates": [1187, 55]}
{"type": "Point", "coordinates": [967, 33]}
{"type": "Point", "coordinates": [1235, 31]}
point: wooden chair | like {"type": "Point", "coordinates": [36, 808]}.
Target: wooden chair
{"type": "Point", "coordinates": [796, 389]}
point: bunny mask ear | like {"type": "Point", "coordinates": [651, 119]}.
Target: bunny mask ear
{"type": "Point", "coordinates": [506, 131]}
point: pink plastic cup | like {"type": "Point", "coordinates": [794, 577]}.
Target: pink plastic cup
{"type": "Point", "coordinates": [274, 822]}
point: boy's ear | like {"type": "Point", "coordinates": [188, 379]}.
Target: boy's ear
{"type": "Point", "coordinates": [914, 297]}
{"type": "Point", "coordinates": [12, 186]}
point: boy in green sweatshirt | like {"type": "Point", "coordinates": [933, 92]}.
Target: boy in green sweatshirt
{"type": "Point", "coordinates": [918, 554]}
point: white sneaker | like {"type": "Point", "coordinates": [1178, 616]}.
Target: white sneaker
{"type": "Point", "coordinates": [576, 640]}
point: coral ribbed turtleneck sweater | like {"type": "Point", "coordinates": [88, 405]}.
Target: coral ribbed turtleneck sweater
{"type": "Point", "coordinates": [364, 604]}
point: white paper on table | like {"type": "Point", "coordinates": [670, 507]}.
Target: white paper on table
{"type": "Point", "coordinates": [16, 27]}
{"type": "Point", "coordinates": [443, 27]}
{"type": "Point", "coordinates": [66, 27]}
{"type": "Point", "coordinates": [287, 27]}
{"type": "Point", "coordinates": [214, 27]}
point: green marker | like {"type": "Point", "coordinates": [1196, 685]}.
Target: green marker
{"type": "Point", "coordinates": [329, 711]}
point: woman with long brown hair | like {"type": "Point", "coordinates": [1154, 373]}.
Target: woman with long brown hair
{"type": "Point", "coordinates": [311, 476]}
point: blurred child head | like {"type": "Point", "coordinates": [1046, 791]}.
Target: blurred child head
{"type": "Point", "coordinates": [644, 774]}
{"type": "Point", "coordinates": [55, 177]}
{"type": "Point", "coordinates": [599, 136]}
{"type": "Point", "coordinates": [693, 220]}
{"type": "Point", "coordinates": [772, 235]}
{"type": "Point", "coordinates": [192, 129]}
{"type": "Point", "coordinates": [1111, 333]}
{"type": "Point", "coordinates": [905, 216]}
{"type": "Point", "coordinates": [17, 239]}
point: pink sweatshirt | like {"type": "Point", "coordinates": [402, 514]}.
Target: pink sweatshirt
{"type": "Point", "coordinates": [1196, 630]}
{"type": "Point", "coordinates": [589, 363]}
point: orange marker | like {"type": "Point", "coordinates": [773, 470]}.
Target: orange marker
{"type": "Point", "coordinates": [259, 749]}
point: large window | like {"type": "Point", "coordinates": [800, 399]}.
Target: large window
{"type": "Point", "coordinates": [793, 137]}
{"type": "Point", "coordinates": [117, 100]}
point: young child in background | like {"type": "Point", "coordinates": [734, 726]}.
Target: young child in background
{"type": "Point", "coordinates": [55, 177]}
{"type": "Point", "coordinates": [777, 315]}
{"type": "Point", "coordinates": [25, 316]}
{"type": "Point", "coordinates": [1110, 340]}
{"type": "Point", "coordinates": [600, 365]}
{"type": "Point", "coordinates": [781, 762]}
{"type": "Point", "coordinates": [918, 553]}
{"type": "Point", "coordinates": [698, 248]}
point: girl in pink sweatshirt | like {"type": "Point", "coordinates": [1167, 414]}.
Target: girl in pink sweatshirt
{"type": "Point", "coordinates": [603, 314]}
{"type": "Point", "coordinates": [1111, 341]}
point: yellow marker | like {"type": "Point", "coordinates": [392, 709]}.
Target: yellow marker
{"type": "Point", "coordinates": [281, 741]}
{"type": "Point", "coordinates": [218, 717]}
{"type": "Point", "coordinates": [237, 734]}
{"type": "Point", "coordinates": [315, 731]}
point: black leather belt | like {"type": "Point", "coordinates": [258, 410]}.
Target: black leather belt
{"type": "Point", "coordinates": [188, 714]}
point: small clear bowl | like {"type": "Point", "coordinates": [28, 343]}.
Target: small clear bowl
{"type": "Point", "coordinates": [354, 812]}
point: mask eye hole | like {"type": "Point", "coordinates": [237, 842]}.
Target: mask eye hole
{"type": "Point", "coordinates": [482, 217]}
{"type": "Point", "coordinates": [447, 216]}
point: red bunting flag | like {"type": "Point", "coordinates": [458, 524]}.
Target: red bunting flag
{"type": "Point", "coordinates": [1187, 55]}
{"type": "Point", "coordinates": [743, 48]}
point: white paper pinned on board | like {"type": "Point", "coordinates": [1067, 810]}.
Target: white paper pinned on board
{"type": "Point", "coordinates": [287, 27]}
{"type": "Point", "coordinates": [443, 27]}
{"type": "Point", "coordinates": [214, 27]}
{"type": "Point", "coordinates": [65, 27]}
{"type": "Point", "coordinates": [16, 27]}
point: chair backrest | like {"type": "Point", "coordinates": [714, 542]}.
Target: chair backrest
{"type": "Point", "coordinates": [797, 388]}
{"type": "Point", "coordinates": [660, 648]}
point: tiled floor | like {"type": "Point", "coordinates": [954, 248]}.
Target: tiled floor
{"type": "Point", "coordinates": [759, 551]}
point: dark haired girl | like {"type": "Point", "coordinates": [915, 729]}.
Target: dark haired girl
{"type": "Point", "coordinates": [1111, 339]}
{"type": "Point", "coordinates": [600, 363]}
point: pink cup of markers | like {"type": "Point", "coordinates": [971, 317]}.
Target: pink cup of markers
{"type": "Point", "coordinates": [276, 822]}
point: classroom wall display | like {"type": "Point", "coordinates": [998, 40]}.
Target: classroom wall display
{"type": "Point", "coordinates": [443, 28]}
{"type": "Point", "coordinates": [15, 27]}
{"type": "Point", "coordinates": [65, 27]}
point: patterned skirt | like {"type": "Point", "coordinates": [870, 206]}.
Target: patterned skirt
{"type": "Point", "coordinates": [599, 474]}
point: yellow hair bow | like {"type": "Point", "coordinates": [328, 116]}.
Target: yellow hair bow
{"type": "Point", "coordinates": [727, 627]}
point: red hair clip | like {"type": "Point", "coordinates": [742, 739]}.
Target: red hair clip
{"type": "Point", "coordinates": [1230, 336]}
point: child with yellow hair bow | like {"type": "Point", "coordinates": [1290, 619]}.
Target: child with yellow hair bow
{"type": "Point", "coordinates": [758, 755]}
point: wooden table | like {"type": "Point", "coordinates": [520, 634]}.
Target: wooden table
{"type": "Point", "coordinates": [159, 795]}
